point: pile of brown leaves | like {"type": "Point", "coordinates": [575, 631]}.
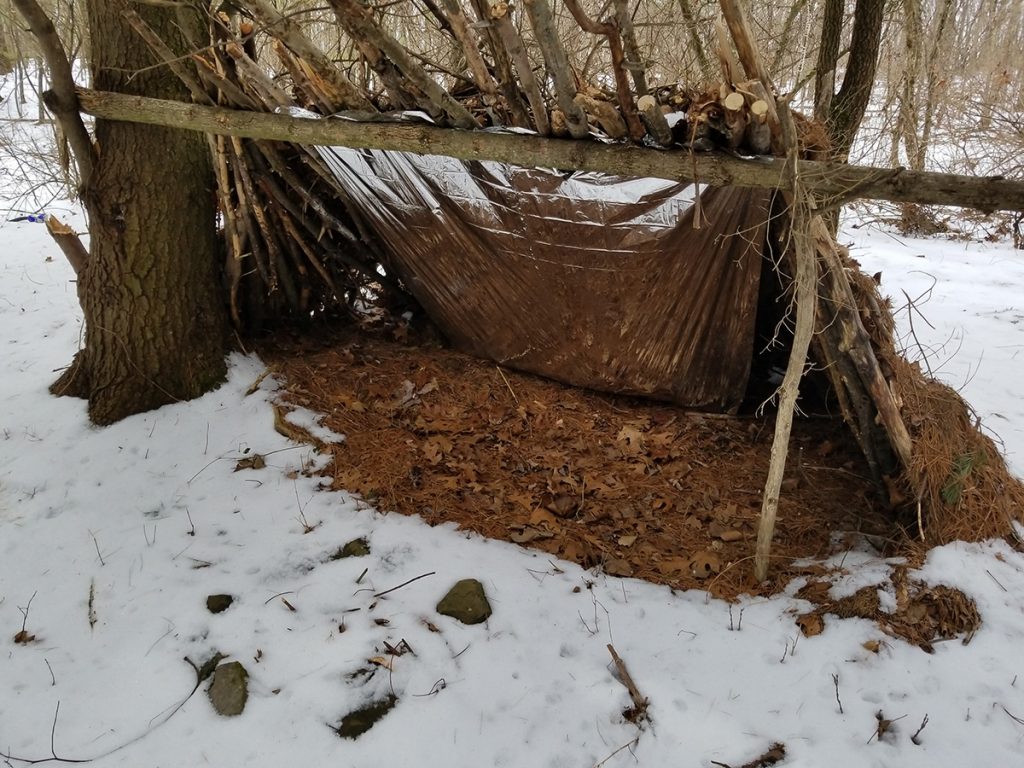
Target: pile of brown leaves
{"type": "Point", "coordinates": [923, 614]}
{"type": "Point", "coordinates": [633, 487]}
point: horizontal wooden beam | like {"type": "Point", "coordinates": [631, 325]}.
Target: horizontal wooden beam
{"type": "Point", "coordinates": [832, 182]}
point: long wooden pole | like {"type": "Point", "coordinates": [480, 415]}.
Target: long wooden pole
{"type": "Point", "coordinates": [832, 182]}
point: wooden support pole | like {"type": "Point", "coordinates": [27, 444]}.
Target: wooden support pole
{"type": "Point", "coordinates": [837, 181]}
{"type": "Point", "coordinates": [511, 42]}
{"type": "Point", "coordinates": [635, 63]}
{"type": "Point", "coordinates": [470, 49]}
{"type": "Point", "coordinates": [174, 62]}
{"type": "Point", "coordinates": [543, 24]}
{"type": "Point", "coordinates": [502, 65]}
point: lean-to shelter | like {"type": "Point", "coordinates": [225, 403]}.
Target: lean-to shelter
{"type": "Point", "coordinates": [627, 285]}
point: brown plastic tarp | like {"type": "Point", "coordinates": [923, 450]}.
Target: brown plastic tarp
{"type": "Point", "coordinates": [592, 280]}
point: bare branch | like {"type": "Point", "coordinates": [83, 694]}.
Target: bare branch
{"type": "Point", "coordinates": [62, 100]}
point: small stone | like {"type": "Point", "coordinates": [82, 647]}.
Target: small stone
{"type": "Point", "coordinates": [219, 603]}
{"type": "Point", "coordinates": [466, 602]}
{"type": "Point", "coordinates": [731, 535]}
{"type": "Point", "coordinates": [230, 689]}
{"type": "Point", "coordinates": [355, 548]}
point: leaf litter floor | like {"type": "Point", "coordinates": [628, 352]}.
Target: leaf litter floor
{"type": "Point", "coordinates": [625, 485]}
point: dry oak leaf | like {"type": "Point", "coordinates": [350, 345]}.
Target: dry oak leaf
{"type": "Point", "coordinates": [632, 438]}
{"type": "Point", "coordinates": [530, 534]}
{"type": "Point", "coordinates": [674, 565]}
{"type": "Point", "coordinates": [618, 567]}
{"type": "Point", "coordinates": [543, 518]}
{"type": "Point", "coordinates": [562, 505]}
{"type": "Point", "coordinates": [435, 448]}
{"type": "Point", "coordinates": [705, 564]}
{"type": "Point", "coordinates": [811, 624]}
{"type": "Point", "coordinates": [256, 461]}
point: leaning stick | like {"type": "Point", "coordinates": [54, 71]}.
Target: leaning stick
{"type": "Point", "coordinates": [611, 32]}
{"type": "Point", "coordinates": [289, 33]}
{"type": "Point", "coordinates": [62, 101]}
{"type": "Point", "coordinates": [470, 49]}
{"type": "Point", "coordinates": [360, 25]}
{"type": "Point", "coordinates": [502, 65]}
{"type": "Point", "coordinates": [635, 65]}
{"type": "Point", "coordinates": [175, 63]}
{"type": "Point", "coordinates": [802, 214]}
{"type": "Point", "coordinates": [513, 43]}
{"type": "Point", "coordinates": [543, 24]}
{"type": "Point", "coordinates": [639, 700]}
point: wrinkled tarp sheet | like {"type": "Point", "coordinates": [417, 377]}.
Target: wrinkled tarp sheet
{"type": "Point", "coordinates": [591, 280]}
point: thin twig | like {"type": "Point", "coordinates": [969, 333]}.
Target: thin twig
{"type": "Point", "coordinates": [835, 682]}
{"type": "Point", "coordinates": [507, 384]}
{"type": "Point", "coordinates": [1012, 716]}
{"type": "Point", "coordinates": [918, 731]}
{"type": "Point", "coordinates": [24, 611]}
{"type": "Point", "coordinates": [94, 541]}
{"type": "Point", "coordinates": [404, 583]}
{"type": "Point", "coordinates": [627, 745]}
{"type": "Point", "coordinates": [996, 581]}
{"type": "Point", "coordinates": [279, 594]}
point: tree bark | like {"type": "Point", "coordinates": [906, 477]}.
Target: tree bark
{"type": "Point", "coordinates": [830, 182]}
{"type": "Point", "coordinates": [155, 323]}
{"type": "Point", "coordinates": [828, 58]}
{"type": "Point", "coordinates": [849, 104]}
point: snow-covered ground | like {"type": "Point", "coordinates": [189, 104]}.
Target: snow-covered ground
{"type": "Point", "coordinates": [111, 540]}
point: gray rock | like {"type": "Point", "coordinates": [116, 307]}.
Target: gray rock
{"type": "Point", "coordinates": [219, 603]}
{"type": "Point", "coordinates": [466, 602]}
{"type": "Point", "coordinates": [230, 689]}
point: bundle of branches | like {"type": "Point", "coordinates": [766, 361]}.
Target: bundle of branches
{"type": "Point", "coordinates": [292, 247]}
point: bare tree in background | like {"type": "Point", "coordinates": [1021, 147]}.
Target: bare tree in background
{"type": "Point", "coordinates": [842, 111]}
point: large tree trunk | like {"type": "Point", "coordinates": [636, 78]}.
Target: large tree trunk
{"type": "Point", "coordinates": [155, 323]}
